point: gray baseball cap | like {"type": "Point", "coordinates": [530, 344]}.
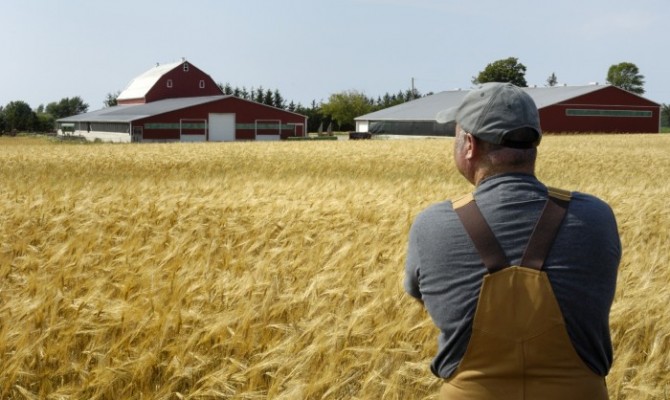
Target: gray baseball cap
{"type": "Point", "coordinates": [496, 112]}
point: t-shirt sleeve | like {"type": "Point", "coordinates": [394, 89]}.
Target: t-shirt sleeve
{"type": "Point", "coordinates": [412, 265]}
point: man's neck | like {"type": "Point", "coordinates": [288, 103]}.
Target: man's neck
{"type": "Point", "coordinates": [483, 173]}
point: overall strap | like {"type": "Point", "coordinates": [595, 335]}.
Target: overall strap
{"type": "Point", "coordinates": [480, 233]}
{"type": "Point", "coordinates": [541, 239]}
{"type": "Point", "coordinates": [546, 229]}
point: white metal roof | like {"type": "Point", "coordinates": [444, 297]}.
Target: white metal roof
{"type": "Point", "coordinates": [132, 112]}
{"type": "Point", "coordinates": [421, 109]}
{"type": "Point", "coordinates": [140, 86]}
{"type": "Point", "coordinates": [547, 96]}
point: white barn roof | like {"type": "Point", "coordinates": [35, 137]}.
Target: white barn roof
{"type": "Point", "coordinates": [140, 86]}
{"type": "Point", "coordinates": [547, 96]}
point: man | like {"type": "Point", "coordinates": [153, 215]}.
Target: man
{"type": "Point", "coordinates": [523, 311]}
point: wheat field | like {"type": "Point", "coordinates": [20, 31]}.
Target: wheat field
{"type": "Point", "coordinates": [274, 270]}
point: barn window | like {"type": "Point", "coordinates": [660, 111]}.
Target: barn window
{"type": "Point", "coordinates": [581, 112]}
{"type": "Point", "coordinates": [202, 83]}
{"type": "Point", "coordinates": [185, 67]}
{"type": "Point", "coordinates": [169, 83]}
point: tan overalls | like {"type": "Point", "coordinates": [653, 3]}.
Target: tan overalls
{"type": "Point", "coordinates": [519, 347]}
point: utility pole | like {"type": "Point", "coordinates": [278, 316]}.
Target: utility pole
{"type": "Point", "coordinates": [412, 87]}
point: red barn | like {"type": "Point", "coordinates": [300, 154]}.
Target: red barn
{"type": "Point", "coordinates": [179, 102]}
{"type": "Point", "coordinates": [574, 109]}
{"type": "Point", "coordinates": [595, 108]}
{"type": "Point", "coordinates": [169, 81]}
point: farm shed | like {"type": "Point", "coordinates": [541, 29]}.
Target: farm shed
{"type": "Point", "coordinates": [178, 102]}
{"type": "Point", "coordinates": [591, 108]}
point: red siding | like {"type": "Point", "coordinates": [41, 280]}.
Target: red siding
{"type": "Point", "coordinates": [246, 114]}
{"type": "Point", "coordinates": [554, 118]}
{"type": "Point", "coordinates": [184, 84]}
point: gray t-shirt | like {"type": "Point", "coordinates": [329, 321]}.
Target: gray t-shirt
{"type": "Point", "coordinates": [445, 271]}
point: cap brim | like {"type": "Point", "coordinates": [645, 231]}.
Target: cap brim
{"type": "Point", "coordinates": [446, 116]}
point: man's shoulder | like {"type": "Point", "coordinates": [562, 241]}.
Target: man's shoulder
{"type": "Point", "coordinates": [589, 213]}
{"type": "Point", "coordinates": [588, 202]}
{"type": "Point", "coordinates": [436, 215]}
{"type": "Point", "coordinates": [434, 210]}
{"type": "Point", "coordinates": [580, 199]}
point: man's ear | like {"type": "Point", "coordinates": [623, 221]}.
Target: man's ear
{"type": "Point", "coordinates": [471, 146]}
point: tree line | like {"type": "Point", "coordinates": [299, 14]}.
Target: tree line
{"type": "Point", "coordinates": [18, 116]}
{"type": "Point", "coordinates": [337, 113]}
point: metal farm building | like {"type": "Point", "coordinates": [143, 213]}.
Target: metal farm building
{"type": "Point", "coordinates": [179, 102]}
{"type": "Point", "coordinates": [593, 108]}
{"type": "Point", "coordinates": [573, 109]}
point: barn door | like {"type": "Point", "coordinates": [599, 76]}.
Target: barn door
{"type": "Point", "coordinates": [221, 127]}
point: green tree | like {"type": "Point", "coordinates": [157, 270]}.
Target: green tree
{"type": "Point", "coordinates": [506, 70]}
{"type": "Point", "coordinates": [279, 101]}
{"type": "Point", "coordinates": [314, 115]}
{"type": "Point", "coordinates": [67, 107]}
{"type": "Point", "coordinates": [343, 107]}
{"type": "Point", "coordinates": [44, 122]}
{"type": "Point", "coordinates": [110, 100]}
{"type": "Point", "coordinates": [258, 96]}
{"type": "Point", "coordinates": [665, 111]}
{"type": "Point", "coordinates": [2, 120]}
{"type": "Point", "coordinates": [552, 80]}
{"type": "Point", "coordinates": [19, 117]}
{"type": "Point", "coordinates": [386, 101]}
{"type": "Point", "coordinates": [268, 98]}
{"type": "Point", "coordinates": [412, 94]}
{"type": "Point", "coordinates": [226, 89]}
{"type": "Point", "coordinates": [627, 76]}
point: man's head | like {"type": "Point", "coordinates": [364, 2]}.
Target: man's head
{"type": "Point", "coordinates": [497, 131]}
{"type": "Point", "coordinates": [498, 113]}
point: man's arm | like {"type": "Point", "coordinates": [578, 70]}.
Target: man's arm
{"type": "Point", "coordinates": [412, 267]}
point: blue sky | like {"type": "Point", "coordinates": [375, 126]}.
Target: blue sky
{"type": "Point", "coordinates": [310, 49]}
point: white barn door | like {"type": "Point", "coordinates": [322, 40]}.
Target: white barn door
{"type": "Point", "coordinates": [221, 127]}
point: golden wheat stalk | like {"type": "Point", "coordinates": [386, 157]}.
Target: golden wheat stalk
{"type": "Point", "coordinates": [273, 270]}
